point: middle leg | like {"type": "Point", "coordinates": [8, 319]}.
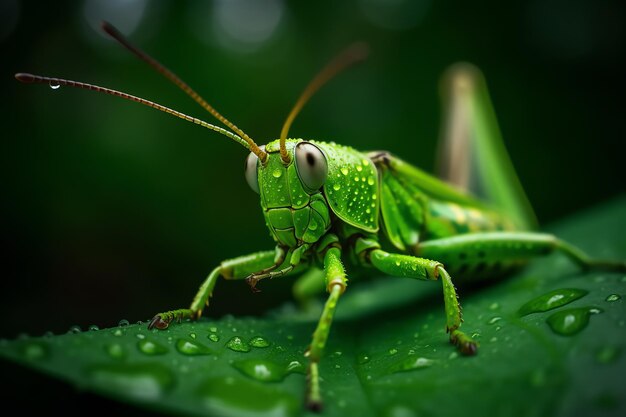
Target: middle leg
{"type": "Point", "coordinates": [424, 269]}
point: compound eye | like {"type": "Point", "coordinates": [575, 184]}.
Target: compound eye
{"type": "Point", "coordinates": [251, 172]}
{"type": "Point", "coordinates": [311, 165]}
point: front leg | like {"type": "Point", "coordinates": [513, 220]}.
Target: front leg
{"type": "Point", "coordinates": [335, 285]}
{"type": "Point", "coordinates": [237, 268]}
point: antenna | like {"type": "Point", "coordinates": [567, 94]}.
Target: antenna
{"type": "Point", "coordinates": [354, 53]}
{"type": "Point", "coordinates": [55, 83]}
{"type": "Point", "coordinates": [115, 34]}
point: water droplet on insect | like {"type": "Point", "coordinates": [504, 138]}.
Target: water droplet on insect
{"type": "Point", "coordinates": [359, 168]}
{"type": "Point", "coordinates": [192, 348]}
{"type": "Point", "coordinates": [494, 320]}
{"type": "Point", "coordinates": [277, 173]}
{"type": "Point", "coordinates": [412, 364]}
{"type": "Point", "coordinates": [118, 332]}
{"type": "Point", "coordinates": [393, 351]}
{"type": "Point", "coordinates": [74, 330]}
{"type": "Point", "coordinates": [356, 179]}
{"type": "Point", "coordinates": [551, 300]}
{"type": "Point", "coordinates": [363, 179]}
{"type": "Point", "coordinates": [261, 370]}
{"type": "Point", "coordinates": [344, 171]}
{"type": "Point", "coordinates": [374, 197]}
{"type": "Point", "coordinates": [368, 211]}
{"type": "Point", "coordinates": [370, 180]}
{"type": "Point", "coordinates": [55, 85]}
{"type": "Point", "coordinates": [34, 351]}
{"type": "Point", "coordinates": [336, 186]}
{"type": "Point", "coordinates": [259, 342]}
{"type": "Point", "coordinates": [397, 263]}
{"type": "Point", "coordinates": [93, 328]}
{"type": "Point", "coordinates": [613, 297]}
{"type": "Point", "coordinates": [571, 321]}
{"type": "Point", "coordinates": [149, 347]}
{"type": "Point", "coordinates": [146, 381]}
{"type": "Point", "coordinates": [237, 345]}
{"type": "Point", "coordinates": [607, 354]}
{"type": "Point", "coordinates": [123, 323]}
{"type": "Point", "coordinates": [115, 351]}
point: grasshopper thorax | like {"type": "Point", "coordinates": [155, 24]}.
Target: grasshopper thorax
{"type": "Point", "coordinates": [293, 203]}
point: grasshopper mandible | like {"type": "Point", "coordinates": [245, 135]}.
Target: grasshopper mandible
{"type": "Point", "coordinates": [326, 204]}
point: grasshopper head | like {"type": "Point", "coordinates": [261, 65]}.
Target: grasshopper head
{"type": "Point", "coordinates": [294, 207]}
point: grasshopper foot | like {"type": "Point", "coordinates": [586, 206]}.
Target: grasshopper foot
{"type": "Point", "coordinates": [465, 344]}
{"type": "Point", "coordinates": [162, 321]}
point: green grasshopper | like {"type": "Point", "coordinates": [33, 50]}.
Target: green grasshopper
{"type": "Point", "coordinates": [326, 204]}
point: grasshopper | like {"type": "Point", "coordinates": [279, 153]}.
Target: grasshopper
{"type": "Point", "coordinates": [326, 204]}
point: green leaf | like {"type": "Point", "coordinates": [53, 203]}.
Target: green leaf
{"type": "Point", "coordinates": [388, 354]}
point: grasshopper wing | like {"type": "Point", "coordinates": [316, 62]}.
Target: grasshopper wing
{"type": "Point", "coordinates": [472, 155]}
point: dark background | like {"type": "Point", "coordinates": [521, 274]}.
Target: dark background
{"type": "Point", "coordinates": [112, 210]}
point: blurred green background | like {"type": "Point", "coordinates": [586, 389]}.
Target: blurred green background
{"type": "Point", "coordinates": [112, 210]}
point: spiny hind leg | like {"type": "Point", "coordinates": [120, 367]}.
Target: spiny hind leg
{"type": "Point", "coordinates": [479, 251]}
{"type": "Point", "coordinates": [237, 268]}
{"type": "Point", "coordinates": [424, 269]}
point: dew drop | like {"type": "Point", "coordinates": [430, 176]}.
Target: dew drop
{"type": "Point", "coordinates": [393, 351]}
{"type": "Point", "coordinates": [151, 348]}
{"type": "Point", "coordinates": [412, 364]}
{"type": "Point", "coordinates": [336, 186]}
{"type": "Point", "coordinates": [359, 168]}
{"type": "Point", "coordinates": [115, 351]}
{"type": "Point", "coordinates": [356, 179]}
{"type": "Point", "coordinates": [123, 323]}
{"type": "Point", "coordinates": [259, 342]}
{"type": "Point", "coordinates": [344, 171]}
{"type": "Point", "coordinates": [192, 335]}
{"type": "Point", "coordinates": [118, 332]}
{"type": "Point", "coordinates": [277, 173]}
{"type": "Point", "coordinates": [494, 306]}
{"type": "Point", "coordinates": [237, 345]}
{"type": "Point", "coordinates": [362, 359]}
{"type": "Point", "coordinates": [494, 320]}
{"type": "Point", "coordinates": [571, 321]}
{"type": "Point", "coordinates": [296, 367]}
{"type": "Point", "coordinates": [74, 330]}
{"type": "Point", "coordinates": [192, 348]}
{"type": "Point", "coordinates": [212, 329]}
{"type": "Point", "coordinates": [213, 337]}
{"type": "Point", "coordinates": [223, 397]}
{"type": "Point", "coordinates": [552, 300]}
{"type": "Point", "coordinates": [55, 85]}
{"type": "Point", "coordinates": [261, 370]}
{"type": "Point", "coordinates": [146, 381]}
{"type": "Point", "coordinates": [34, 351]}
{"type": "Point", "coordinates": [370, 180]}
{"type": "Point", "coordinates": [613, 297]}
{"type": "Point", "coordinates": [93, 328]}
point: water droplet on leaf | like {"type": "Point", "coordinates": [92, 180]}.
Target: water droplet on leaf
{"type": "Point", "coordinates": [552, 300]}
{"type": "Point", "coordinates": [150, 347]}
{"type": "Point", "coordinates": [192, 348]}
{"type": "Point", "coordinates": [571, 321]}
{"type": "Point", "coordinates": [237, 345]}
